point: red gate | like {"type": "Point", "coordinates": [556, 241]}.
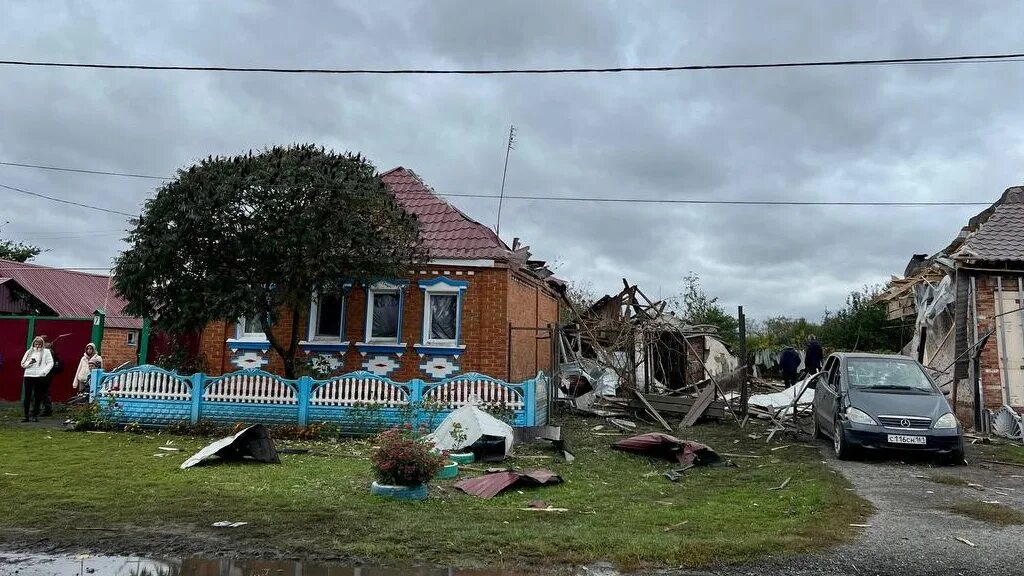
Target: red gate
{"type": "Point", "coordinates": [16, 334]}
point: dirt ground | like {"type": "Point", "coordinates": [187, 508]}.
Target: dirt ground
{"type": "Point", "coordinates": [913, 532]}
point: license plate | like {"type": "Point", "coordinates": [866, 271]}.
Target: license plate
{"type": "Point", "coordinates": [900, 439]}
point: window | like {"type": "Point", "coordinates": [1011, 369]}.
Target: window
{"type": "Point", "coordinates": [327, 313]}
{"type": "Point", "coordinates": [131, 337]}
{"type": "Point", "coordinates": [442, 314]}
{"type": "Point", "coordinates": [251, 327]}
{"type": "Point", "coordinates": [442, 318]}
{"type": "Point", "coordinates": [385, 311]}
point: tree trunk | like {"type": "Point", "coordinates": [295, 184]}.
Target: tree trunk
{"type": "Point", "coordinates": [293, 346]}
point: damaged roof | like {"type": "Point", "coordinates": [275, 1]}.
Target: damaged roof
{"type": "Point", "coordinates": [996, 234]}
{"type": "Point", "coordinates": [446, 231]}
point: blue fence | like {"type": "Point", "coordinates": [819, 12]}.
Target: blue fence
{"type": "Point", "coordinates": [357, 401]}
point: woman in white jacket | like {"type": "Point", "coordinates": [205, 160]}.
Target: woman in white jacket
{"type": "Point", "coordinates": [37, 363]}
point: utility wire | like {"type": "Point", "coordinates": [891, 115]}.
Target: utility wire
{"type": "Point", "coordinates": [961, 59]}
{"type": "Point", "coordinates": [595, 199]}
{"type": "Point", "coordinates": [63, 201]}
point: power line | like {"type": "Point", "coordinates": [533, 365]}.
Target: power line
{"type": "Point", "coordinates": [594, 199]}
{"type": "Point", "coordinates": [81, 171]}
{"type": "Point", "coordinates": [63, 201]}
{"type": "Point", "coordinates": [961, 59]}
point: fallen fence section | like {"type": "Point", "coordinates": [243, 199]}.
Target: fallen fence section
{"type": "Point", "coordinates": [355, 402]}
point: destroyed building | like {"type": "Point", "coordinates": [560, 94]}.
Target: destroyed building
{"type": "Point", "coordinates": [965, 302]}
{"type": "Point", "coordinates": [626, 339]}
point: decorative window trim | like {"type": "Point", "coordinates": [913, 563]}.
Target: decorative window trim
{"type": "Point", "coordinates": [383, 345]}
{"type": "Point", "coordinates": [441, 285]}
{"type": "Point", "coordinates": [315, 343]}
{"type": "Point", "coordinates": [131, 338]}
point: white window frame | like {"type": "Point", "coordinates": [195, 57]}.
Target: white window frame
{"type": "Point", "coordinates": [442, 286]}
{"type": "Point", "coordinates": [241, 334]}
{"type": "Point", "coordinates": [314, 321]}
{"type": "Point", "coordinates": [131, 338]}
{"type": "Point", "coordinates": [428, 319]}
{"type": "Point", "coordinates": [383, 287]}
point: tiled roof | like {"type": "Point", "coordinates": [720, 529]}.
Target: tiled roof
{"type": "Point", "coordinates": [998, 232]}
{"type": "Point", "coordinates": [446, 231]}
{"type": "Point", "coordinates": [70, 293]}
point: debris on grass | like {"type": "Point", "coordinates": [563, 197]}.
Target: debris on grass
{"type": "Point", "coordinates": [674, 526]}
{"type": "Point", "coordinates": [253, 442]}
{"type": "Point", "coordinates": [946, 479]}
{"type": "Point", "coordinates": [783, 485]}
{"type": "Point", "coordinates": [860, 525]}
{"type": "Point", "coordinates": [227, 524]}
{"type": "Point", "coordinates": [991, 512]}
{"type": "Point", "coordinates": [492, 484]}
{"type": "Point", "coordinates": [668, 447]}
{"type": "Point", "coordinates": [966, 541]}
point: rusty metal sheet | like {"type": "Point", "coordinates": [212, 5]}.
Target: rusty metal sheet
{"type": "Point", "coordinates": [490, 485]}
{"type": "Point", "coordinates": [660, 445]}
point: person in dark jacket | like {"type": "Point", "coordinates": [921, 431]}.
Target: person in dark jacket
{"type": "Point", "coordinates": [789, 361]}
{"type": "Point", "coordinates": [813, 355]}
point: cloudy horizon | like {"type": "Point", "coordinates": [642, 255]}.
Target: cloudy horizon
{"type": "Point", "coordinates": [880, 133]}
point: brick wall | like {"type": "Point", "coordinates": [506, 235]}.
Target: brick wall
{"type": "Point", "coordinates": [991, 374]}
{"type": "Point", "coordinates": [487, 303]}
{"type": "Point", "coordinates": [115, 349]}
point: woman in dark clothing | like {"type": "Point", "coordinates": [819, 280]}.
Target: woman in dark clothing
{"type": "Point", "coordinates": [789, 361]}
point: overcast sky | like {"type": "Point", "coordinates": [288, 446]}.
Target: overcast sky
{"type": "Point", "coordinates": [928, 132]}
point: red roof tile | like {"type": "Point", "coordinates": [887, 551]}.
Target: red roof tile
{"type": "Point", "coordinates": [445, 230]}
{"type": "Point", "coordinates": [70, 293]}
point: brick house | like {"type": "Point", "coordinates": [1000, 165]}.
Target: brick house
{"type": "Point", "coordinates": [477, 305]}
{"type": "Point", "coordinates": [42, 301]}
{"type": "Point", "coordinates": [966, 305]}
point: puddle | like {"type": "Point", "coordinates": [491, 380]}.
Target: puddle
{"type": "Point", "coordinates": [12, 564]}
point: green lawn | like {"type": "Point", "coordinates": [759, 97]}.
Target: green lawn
{"type": "Point", "coordinates": [108, 492]}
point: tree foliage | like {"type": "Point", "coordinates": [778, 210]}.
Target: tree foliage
{"type": "Point", "coordinates": [700, 309]}
{"type": "Point", "coordinates": [257, 235]}
{"type": "Point", "coordinates": [861, 325]}
{"type": "Point", "coordinates": [581, 296]}
{"type": "Point", "coordinates": [778, 331]}
{"type": "Point", "coordinates": [18, 251]}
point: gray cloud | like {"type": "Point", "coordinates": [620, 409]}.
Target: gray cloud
{"type": "Point", "coordinates": [925, 132]}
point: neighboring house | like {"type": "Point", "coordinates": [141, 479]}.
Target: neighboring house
{"type": "Point", "coordinates": [966, 305]}
{"type": "Point", "coordinates": [34, 290]}
{"type": "Point", "coordinates": [477, 305]}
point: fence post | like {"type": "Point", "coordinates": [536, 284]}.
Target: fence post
{"type": "Point", "coordinates": [144, 342]}
{"type": "Point", "coordinates": [94, 384]}
{"type": "Point", "coordinates": [530, 402]}
{"type": "Point", "coordinates": [305, 390]}
{"type": "Point", "coordinates": [416, 402]}
{"type": "Point", "coordinates": [198, 383]}
{"type": "Point", "coordinates": [99, 320]}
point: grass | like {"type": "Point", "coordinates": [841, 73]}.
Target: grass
{"type": "Point", "coordinates": [997, 514]}
{"type": "Point", "coordinates": [74, 487]}
{"type": "Point", "coordinates": [1004, 451]}
{"type": "Point", "coordinates": [948, 479]}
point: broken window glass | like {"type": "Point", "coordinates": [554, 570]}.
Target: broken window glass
{"type": "Point", "coordinates": [384, 323]}
{"type": "Point", "coordinates": [328, 322]}
{"type": "Point", "coordinates": [443, 316]}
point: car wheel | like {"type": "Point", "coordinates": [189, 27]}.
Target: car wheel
{"type": "Point", "coordinates": [954, 458]}
{"type": "Point", "coordinates": [840, 446]}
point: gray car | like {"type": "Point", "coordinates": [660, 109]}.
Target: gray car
{"type": "Point", "coordinates": [881, 402]}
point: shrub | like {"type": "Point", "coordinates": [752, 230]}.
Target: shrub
{"type": "Point", "coordinates": [102, 415]}
{"type": "Point", "coordinates": [401, 460]}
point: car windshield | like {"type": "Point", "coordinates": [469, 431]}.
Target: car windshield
{"type": "Point", "coordinates": [887, 374]}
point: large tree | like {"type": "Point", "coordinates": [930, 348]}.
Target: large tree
{"type": "Point", "coordinates": [257, 235]}
{"type": "Point", "coordinates": [700, 309]}
{"type": "Point", "coordinates": [18, 251]}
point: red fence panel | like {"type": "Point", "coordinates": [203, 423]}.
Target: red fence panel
{"type": "Point", "coordinates": [13, 335]}
{"type": "Point", "coordinates": [73, 336]}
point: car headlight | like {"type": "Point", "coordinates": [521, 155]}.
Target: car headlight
{"type": "Point", "coordinates": [859, 416]}
{"type": "Point", "coordinates": [947, 420]}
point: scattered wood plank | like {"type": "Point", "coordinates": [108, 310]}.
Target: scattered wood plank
{"type": "Point", "coordinates": [783, 485]}
{"type": "Point", "coordinates": [674, 526]}
{"type": "Point", "coordinates": [1003, 463]}
{"type": "Point", "coordinates": [700, 405]}
{"type": "Point", "coordinates": [966, 541]}
{"type": "Point", "coordinates": [739, 455]}
{"type": "Point", "coordinates": [781, 447]}
{"type": "Point", "coordinates": [861, 525]}
{"type": "Point", "coordinates": [650, 410]}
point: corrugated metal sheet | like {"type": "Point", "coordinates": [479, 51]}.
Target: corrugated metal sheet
{"type": "Point", "coordinates": [69, 293]}
{"type": "Point", "coordinates": [490, 485]}
{"type": "Point", "coordinates": [662, 445]}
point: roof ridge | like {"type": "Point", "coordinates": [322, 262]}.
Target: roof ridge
{"type": "Point", "coordinates": [43, 266]}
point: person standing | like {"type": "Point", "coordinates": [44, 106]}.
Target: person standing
{"type": "Point", "coordinates": [789, 361]}
{"type": "Point", "coordinates": [37, 363]}
{"type": "Point", "coordinates": [813, 355]}
{"type": "Point", "coordinates": [90, 361]}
